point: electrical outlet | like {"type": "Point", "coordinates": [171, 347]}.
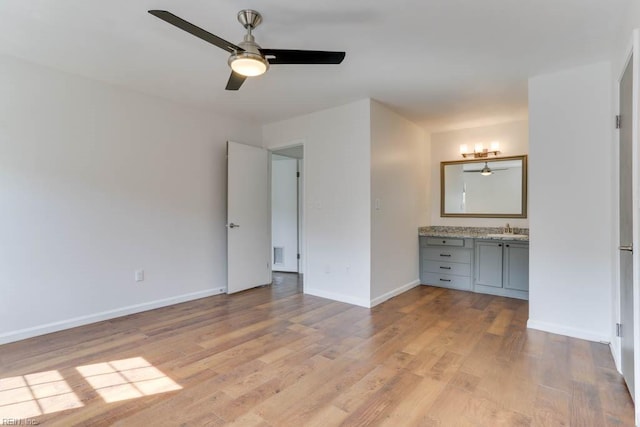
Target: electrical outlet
{"type": "Point", "coordinates": [139, 275]}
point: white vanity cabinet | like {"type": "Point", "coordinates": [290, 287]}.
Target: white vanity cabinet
{"type": "Point", "coordinates": [446, 262]}
{"type": "Point", "coordinates": [502, 268]}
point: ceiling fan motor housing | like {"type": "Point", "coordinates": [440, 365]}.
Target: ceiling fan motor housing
{"type": "Point", "coordinates": [249, 18]}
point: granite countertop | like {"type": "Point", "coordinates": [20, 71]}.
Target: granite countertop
{"type": "Point", "coordinates": [521, 234]}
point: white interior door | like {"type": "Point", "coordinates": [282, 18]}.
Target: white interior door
{"type": "Point", "coordinates": [248, 222]}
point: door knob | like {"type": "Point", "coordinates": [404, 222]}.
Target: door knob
{"type": "Point", "coordinates": [232, 225]}
{"type": "Point", "coordinates": [626, 248]}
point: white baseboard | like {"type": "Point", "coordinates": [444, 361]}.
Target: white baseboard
{"type": "Point", "coordinates": [104, 315]}
{"type": "Point", "coordinates": [337, 297]}
{"type": "Point", "coordinates": [397, 291]}
{"type": "Point", "coordinates": [567, 331]}
{"type": "Point", "coordinates": [359, 301]}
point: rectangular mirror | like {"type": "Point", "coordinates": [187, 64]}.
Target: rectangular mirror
{"type": "Point", "coordinates": [484, 188]}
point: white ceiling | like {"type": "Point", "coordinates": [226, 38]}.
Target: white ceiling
{"type": "Point", "coordinates": [439, 63]}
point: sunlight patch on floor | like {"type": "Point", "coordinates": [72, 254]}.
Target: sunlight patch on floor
{"type": "Point", "coordinates": [26, 396]}
{"type": "Point", "coordinates": [126, 379]}
{"type": "Point", "coordinates": [30, 395]}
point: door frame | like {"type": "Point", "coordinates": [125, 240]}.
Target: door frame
{"type": "Point", "coordinates": [635, 108]}
{"type": "Point", "coordinates": [302, 225]}
{"type": "Point", "coordinates": [632, 52]}
{"type": "Point", "coordinates": [273, 187]}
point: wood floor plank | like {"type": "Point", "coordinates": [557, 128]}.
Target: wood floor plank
{"type": "Point", "coordinates": [411, 408]}
{"type": "Point", "coordinates": [617, 405]}
{"type": "Point", "coordinates": [320, 396]}
{"type": "Point", "coordinates": [555, 363]}
{"type": "Point", "coordinates": [430, 332]}
{"type": "Point", "coordinates": [361, 390]}
{"type": "Point", "coordinates": [581, 361]}
{"type": "Point", "coordinates": [272, 357]}
{"type": "Point", "coordinates": [501, 322]}
{"type": "Point", "coordinates": [377, 407]}
{"type": "Point", "coordinates": [586, 409]}
{"type": "Point", "coordinates": [551, 408]}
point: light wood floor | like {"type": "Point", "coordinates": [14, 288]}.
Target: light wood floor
{"type": "Point", "coordinates": [275, 357]}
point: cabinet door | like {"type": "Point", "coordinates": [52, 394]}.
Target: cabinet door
{"type": "Point", "coordinates": [489, 264]}
{"type": "Point", "coordinates": [516, 266]}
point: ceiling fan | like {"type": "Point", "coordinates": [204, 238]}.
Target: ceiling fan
{"type": "Point", "coordinates": [486, 170]}
{"type": "Point", "coordinates": [247, 58]}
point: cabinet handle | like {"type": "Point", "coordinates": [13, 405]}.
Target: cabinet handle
{"type": "Point", "coordinates": [444, 241]}
{"type": "Point", "coordinates": [445, 268]}
{"type": "Point", "coordinates": [445, 280]}
{"type": "Point", "coordinates": [507, 245]}
{"type": "Point", "coordinates": [447, 255]}
{"type": "Point", "coordinates": [500, 244]}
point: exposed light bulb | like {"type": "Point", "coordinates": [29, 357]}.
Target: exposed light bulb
{"type": "Point", "coordinates": [464, 149]}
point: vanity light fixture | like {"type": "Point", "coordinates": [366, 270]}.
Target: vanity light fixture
{"type": "Point", "coordinates": [479, 151]}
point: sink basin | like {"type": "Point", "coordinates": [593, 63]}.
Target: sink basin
{"type": "Point", "coordinates": [507, 236]}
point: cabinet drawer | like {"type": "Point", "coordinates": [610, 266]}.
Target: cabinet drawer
{"type": "Point", "coordinates": [448, 254]}
{"type": "Point", "coordinates": [444, 267]}
{"type": "Point", "coordinates": [448, 281]}
{"type": "Point", "coordinates": [443, 241]}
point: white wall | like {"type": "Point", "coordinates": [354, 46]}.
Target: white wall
{"type": "Point", "coordinates": [96, 182]}
{"type": "Point", "coordinates": [284, 211]}
{"type": "Point", "coordinates": [571, 244]}
{"type": "Point", "coordinates": [337, 189]}
{"type": "Point", "coordinates": [399, 202]}
{"type": "Point", "coordinates": [445, 146]}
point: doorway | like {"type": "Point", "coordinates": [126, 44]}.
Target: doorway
{"type": "Point", "coordinates": [287, 210]}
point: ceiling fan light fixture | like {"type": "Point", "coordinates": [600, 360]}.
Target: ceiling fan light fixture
{"type": "Point", "coordinates": [486, 171]}
{"type": "Point", "coordinates": [247, 58]}
{"type": "Point", "coordinates": [248, 64]}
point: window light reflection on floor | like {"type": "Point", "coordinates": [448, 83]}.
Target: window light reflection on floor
{"type": "Point", "coordinates": [26, 396]}
{"type": "Point", "coordinates": [35, 394]}
{"type": "Point", "coordinates": [126, 379]}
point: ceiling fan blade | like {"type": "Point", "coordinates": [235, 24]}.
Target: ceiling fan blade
{"type": "Point", "coordinates": [235, 81]}
{"type": "Point", "coordinates": [289, 56]}
{"type": "Point", "coordinates": [195, 30]}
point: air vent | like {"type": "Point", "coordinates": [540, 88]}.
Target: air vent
{"type": "Point", "coordinates": [278, 255]}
